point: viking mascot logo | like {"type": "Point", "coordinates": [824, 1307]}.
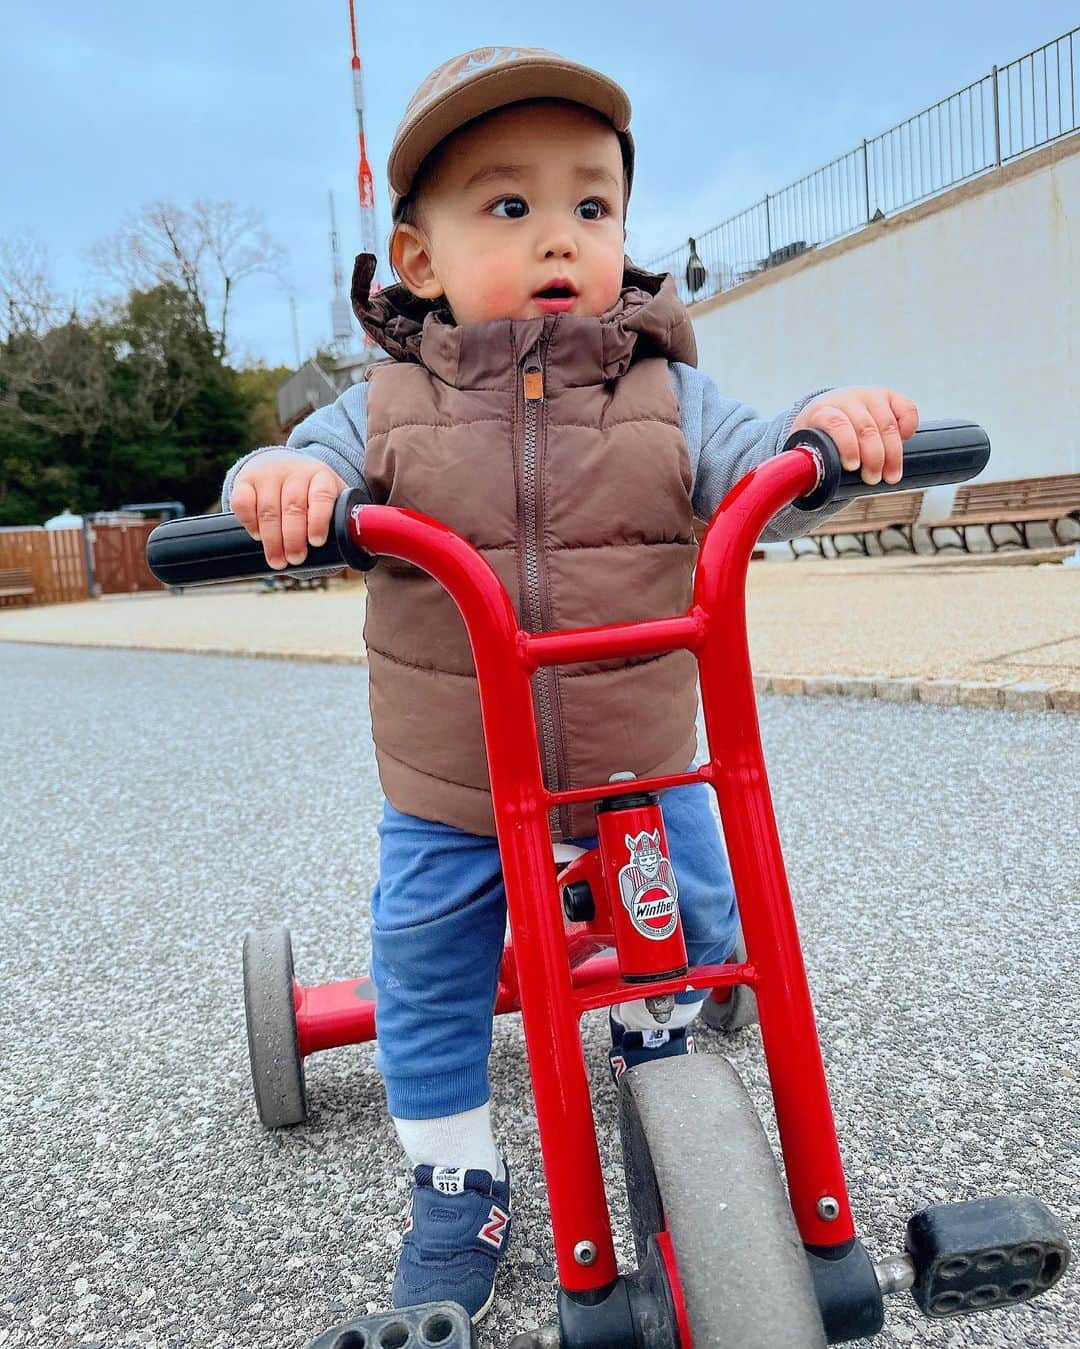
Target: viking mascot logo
{"type": "Point", "coordinates": [648, 889]}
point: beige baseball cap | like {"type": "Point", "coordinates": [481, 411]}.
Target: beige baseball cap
{"type": "Point", "coordinates": [480, 81]}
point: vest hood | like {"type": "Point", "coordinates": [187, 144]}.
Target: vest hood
{"type": "Point", "coordinates": [648, 319]}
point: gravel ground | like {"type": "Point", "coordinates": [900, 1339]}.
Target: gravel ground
{"type": "Point", "coordinates": [163, 803]}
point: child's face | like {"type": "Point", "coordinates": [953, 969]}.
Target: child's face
{"type": "Point", "coordinates": [526, 197]}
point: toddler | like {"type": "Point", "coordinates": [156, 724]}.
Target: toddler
{"type": "Point", "coordinates": [541, 399]}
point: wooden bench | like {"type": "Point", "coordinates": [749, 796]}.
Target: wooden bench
{"type": "Point", "coordinates": [287, 582]}
{"type": "Point", "coordinates": [868, 515]}
{"type": "Point", "coordinates": [1015, 503]}
{"type": "Point", "coordinates": [15, 581]}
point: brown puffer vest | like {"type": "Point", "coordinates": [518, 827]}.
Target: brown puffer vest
{"type": "Point", "coordinates": [554, 446]}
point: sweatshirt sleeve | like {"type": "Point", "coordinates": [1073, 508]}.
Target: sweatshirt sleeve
{"type": "Point", "coordinates": [726, 439]}
{"type": "Point", "coordinates": [335, 435]}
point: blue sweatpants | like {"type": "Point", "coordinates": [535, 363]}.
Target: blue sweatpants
{"type": "Point", "coordinates": [438, 925]}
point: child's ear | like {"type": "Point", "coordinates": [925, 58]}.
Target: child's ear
{"type": "Point", "coordinates": [411, 259]}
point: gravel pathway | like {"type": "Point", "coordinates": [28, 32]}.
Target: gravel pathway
{"type": "Point", "coordinates": [155, 805]}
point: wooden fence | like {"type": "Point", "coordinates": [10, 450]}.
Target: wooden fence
{"type": "Point", "coordinates": [56, 560]}
{"type": "Point", "coordinates": [120, 557]}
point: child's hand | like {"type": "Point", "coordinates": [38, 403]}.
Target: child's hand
{"type": "Point", "coordinates": [868, 426]}
{"type": "Point", "coordinates": [286, 500]}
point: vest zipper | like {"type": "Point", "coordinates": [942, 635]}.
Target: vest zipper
{"type": "Point", "coordinates": [533, 387]}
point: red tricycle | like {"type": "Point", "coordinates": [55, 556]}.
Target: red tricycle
{"type": "Point", "coordinates": [726, 1255]}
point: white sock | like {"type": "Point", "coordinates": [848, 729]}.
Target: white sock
{"type": "Point", "coordinates": [452, 1140]}
{"type": "Point", "coordinates": [636, 1016]}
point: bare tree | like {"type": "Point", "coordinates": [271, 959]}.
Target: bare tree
{"type": "Point", "coordinates": [239, 247]}
{"type": "Point", "coordinates": [206, 251]}
{"type": "Point", "coordinates": [55, 363]}
{"type": "Point", "coordinates": [28, 303]}
{"type": "Point", "coordinates": [58, 382]}
{"type": "Point", "coordinates": [51, 370]}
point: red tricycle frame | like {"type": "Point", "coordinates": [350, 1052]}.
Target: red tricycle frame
{"type": "Point", "coordinates": [565, 976]}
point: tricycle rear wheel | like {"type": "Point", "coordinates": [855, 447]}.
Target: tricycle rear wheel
{"type": "Point", "coordinates": [277, 1070]}
{"type": "Point", "coordinates": [698, 1166]}
{"type": "Point", "coordinates": [739, 1009]}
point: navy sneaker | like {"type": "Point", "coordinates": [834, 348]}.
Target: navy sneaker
{"type": "Point", "coordinates": [456, 1232]}
{"type": "Point", "coordinates": [631, 1047]}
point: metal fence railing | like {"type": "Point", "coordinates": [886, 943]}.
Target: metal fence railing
{"type": "Point", "coordinates": [1010, 112]}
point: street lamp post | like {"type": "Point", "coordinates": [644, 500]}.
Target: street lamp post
{"type": "Point", "coordinates": [696, 274]}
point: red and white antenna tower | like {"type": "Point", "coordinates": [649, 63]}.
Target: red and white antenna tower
{"type": "Point", "coordinates": [365, 184]}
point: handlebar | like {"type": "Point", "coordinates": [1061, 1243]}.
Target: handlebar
{"type": "Point", "coordinates": [205, 548]}
{"type": "Point", "coordinates": [938, 452]}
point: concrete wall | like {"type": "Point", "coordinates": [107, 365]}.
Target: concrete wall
{"type": "Point", "coordinates": [969, 303]}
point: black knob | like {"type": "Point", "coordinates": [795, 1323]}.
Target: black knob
{"type": "Point", "coordinates": [577, 902]}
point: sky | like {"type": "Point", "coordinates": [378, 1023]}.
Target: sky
{"type": "Point", "coordinates": [106, 108]}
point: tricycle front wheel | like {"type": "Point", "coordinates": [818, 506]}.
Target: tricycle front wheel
{"type": "Point", "coordinates": [699, 1167]}
{"type": "Point", "coordinates": [277, 1069]}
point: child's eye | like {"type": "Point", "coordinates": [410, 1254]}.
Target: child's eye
{"type": "Point", "coordinates": [514, 202]}
{"type": "Point", "coordinates": [595, 208]}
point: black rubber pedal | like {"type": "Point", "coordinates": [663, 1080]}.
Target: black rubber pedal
{"type": "Point", "coordinates": [432, 1325]}
{"type": "Point", "coordinates": [984, 1253]}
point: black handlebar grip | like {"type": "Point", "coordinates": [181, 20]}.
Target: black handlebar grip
{"type": "Point", "coordinates": [202, 548]}
{"type": "Point", "coordinates": [938, 452]}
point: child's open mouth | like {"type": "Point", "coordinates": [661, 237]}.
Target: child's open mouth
{"type": "Point", "coordinates": [556, 298]}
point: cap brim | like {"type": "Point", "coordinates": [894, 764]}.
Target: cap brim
{"type": "Point", "coordinates": [511, 83]}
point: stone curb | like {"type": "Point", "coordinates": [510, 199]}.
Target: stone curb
{"type": "Point", "coordinates": [313, 656]}
{"type": "Point", "coordinates": [1014, 696]}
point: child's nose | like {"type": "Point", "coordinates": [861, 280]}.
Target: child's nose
{"type": "Point", "coordinates": [559, 243]}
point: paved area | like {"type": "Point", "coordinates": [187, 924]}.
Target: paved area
{"type": "Point", "coordinates": [969, 626]}
{"type": "Point", "coordinates": [164, 803]}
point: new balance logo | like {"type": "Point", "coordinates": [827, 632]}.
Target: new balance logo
{"type": "Point", "coordinates": [494, 1230]}
{"type": "Point", "coordinates": [448, 1179]}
